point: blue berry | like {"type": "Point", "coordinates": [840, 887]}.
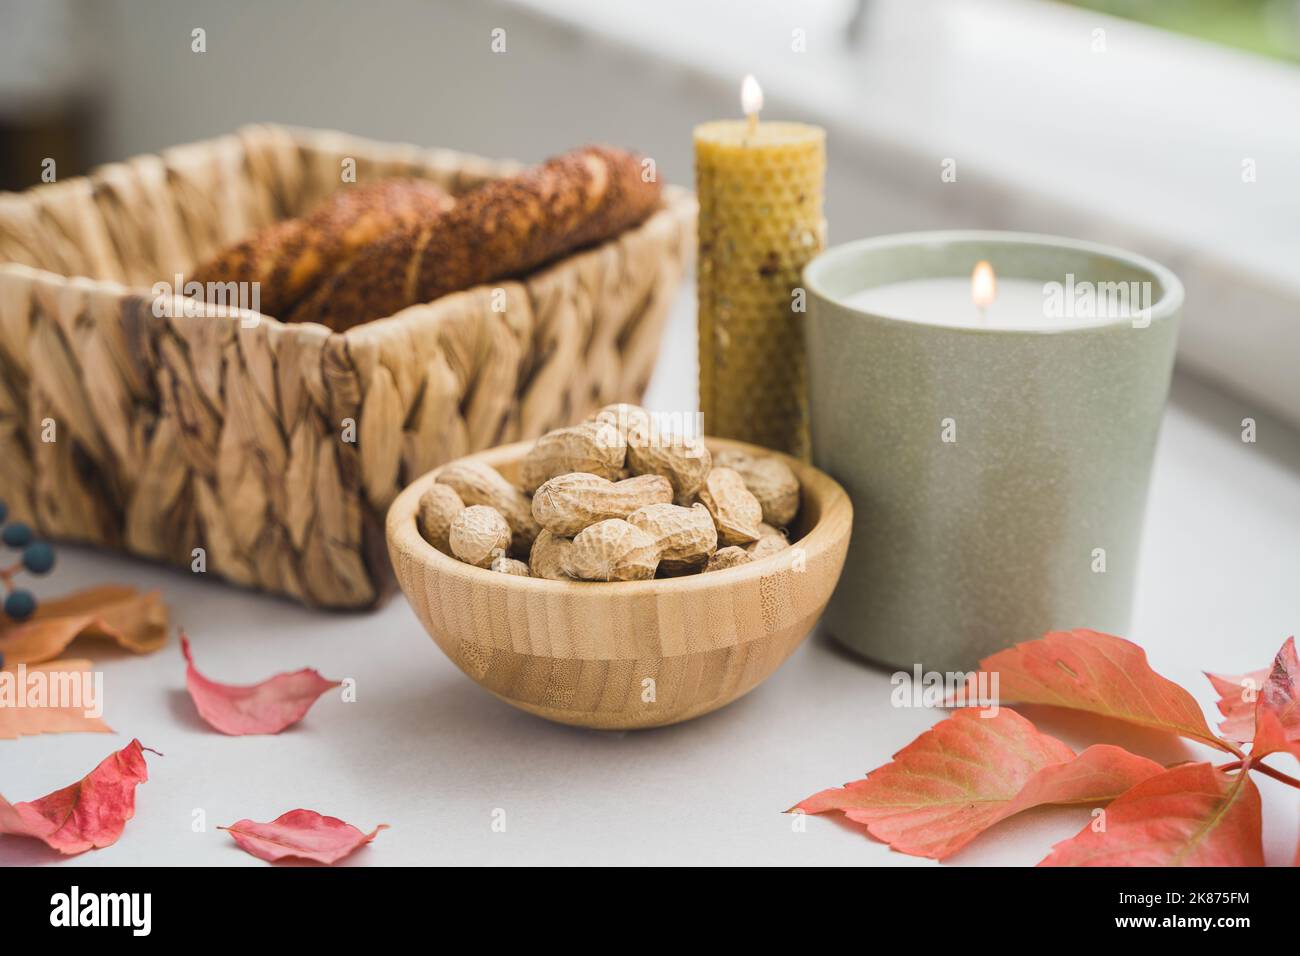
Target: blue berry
{"type": "Point", "coordinates": [17, 535]}
{"type": "Point", "coordinates": [20, 605]}
{"type": "Point", "coordinates": [39, 557]}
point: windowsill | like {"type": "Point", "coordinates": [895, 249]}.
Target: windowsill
{"type": "Point", "coordinates": [1140, 146]}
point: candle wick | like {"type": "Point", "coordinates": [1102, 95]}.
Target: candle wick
{"type": "Point", "coordinates": [984, 314]}
{"type": "Point", "coordinates": [753, 124]}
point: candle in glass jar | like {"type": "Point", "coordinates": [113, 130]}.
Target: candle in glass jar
{"type": "Point", "coordinates": [760, 192]}
{"type": "Point", "coordinates": [995, 433]}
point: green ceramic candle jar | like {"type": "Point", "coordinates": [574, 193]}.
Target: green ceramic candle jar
{"type": "Point", "coordinates": [998, 462]}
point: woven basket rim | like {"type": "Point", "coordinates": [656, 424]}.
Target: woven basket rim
{"type": "Point", "coordinates": [677, 204]}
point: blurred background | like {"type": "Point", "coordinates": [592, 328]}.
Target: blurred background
{"type": "Point", "coordinates": [1271, 27]}
{"type": "Point", "coordinates": [1168, 128]}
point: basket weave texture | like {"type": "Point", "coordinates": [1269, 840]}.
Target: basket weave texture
{"type": "Point", "coordinates": [277, 448]}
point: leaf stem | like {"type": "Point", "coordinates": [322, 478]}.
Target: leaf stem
{"type": "Point", "coordinates": [1265, 769]}
{"type": "Point", "coordinates": [1232, 748]}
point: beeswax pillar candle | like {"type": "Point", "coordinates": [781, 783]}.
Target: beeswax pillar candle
{"type": "Point", "coordinates": [760, 194]}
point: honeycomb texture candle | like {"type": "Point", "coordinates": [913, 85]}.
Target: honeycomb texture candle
{"type": "Point", "coordinates": [760, 194]}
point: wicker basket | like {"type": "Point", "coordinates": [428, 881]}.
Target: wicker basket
{"type": "Point", "coordinates": [276, 448]}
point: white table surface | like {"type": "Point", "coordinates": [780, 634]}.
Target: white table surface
{"type": "Point", "coordinates": [425, 750]}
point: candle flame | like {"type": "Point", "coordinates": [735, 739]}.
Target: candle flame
{"type": "Point", "coordinates": [983, 285]}
{"type": "Point", "coordinates": [751, 96]}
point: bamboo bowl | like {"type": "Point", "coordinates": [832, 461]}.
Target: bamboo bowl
{"type": "Point", "coordinates": [625, 655]}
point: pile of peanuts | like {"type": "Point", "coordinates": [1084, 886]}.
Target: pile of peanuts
{"type": "Point", "coordinates": [613, 499]}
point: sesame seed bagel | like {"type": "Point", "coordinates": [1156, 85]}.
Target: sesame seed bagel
{"type": "Point", "coordinates": [290, 259]}
{"type": "Point", "coordinates": [502, 228]}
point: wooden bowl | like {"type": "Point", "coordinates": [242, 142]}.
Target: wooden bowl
{"type": "Point", "coordinates": [624, 655]}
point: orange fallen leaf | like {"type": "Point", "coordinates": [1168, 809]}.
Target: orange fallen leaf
{"type": "Point", "coordinates": [135, 620]}
{"type": "Point", "coordinates": [1189, 815]}
{"type": "Point", "coordinates": [965, 774]}
{"type": "Point", "coordinates": [1102, 674]}
{"type": "Point", "coordinates": [29, 695]}
{"type": "Point", "coordinates": [969, 772]}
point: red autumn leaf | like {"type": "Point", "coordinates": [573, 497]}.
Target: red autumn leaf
{"type": "Point", "coordinates": [1099, 673]}
{"type": "Point", "coordinates": [303, 834]}
{"type": "Point", "coordinates": [136, 621]}
{"type": "Point", "coordinates": [89, 813]}
{"type": "Point", "coordinates": [19, 717]}
{"type": "Point", "coordinates": [1281, 691]}
{"type": "Point", "coordinates": [1277, 712]}
{"type": "Point", "coordinates": [1189, 815]}
{"type": "Point", "coordinates": [265, 708]}
{"type": "Point", "coordinates": [969, 772]}
{"type": "Point", "coordinates": [1272, 737]}
{"type": "Point", "coordinates": [1237, 696]}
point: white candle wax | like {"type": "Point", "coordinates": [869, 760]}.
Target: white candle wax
{"type": "Point", "coordinates": [1026, 304]}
